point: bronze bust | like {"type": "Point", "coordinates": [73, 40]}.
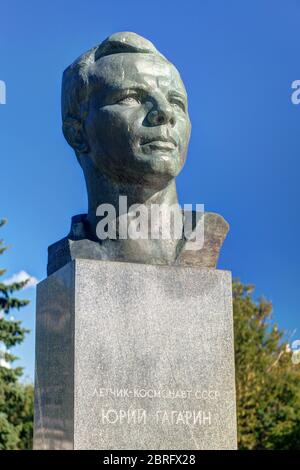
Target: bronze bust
{"type": "Point", "coordinates": [125, 114]}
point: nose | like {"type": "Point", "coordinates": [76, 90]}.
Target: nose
{"type": "Point", "coordinates": [161, 113]}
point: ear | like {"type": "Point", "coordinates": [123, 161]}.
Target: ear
{"type": "Point", "coordinates": [75, 136]}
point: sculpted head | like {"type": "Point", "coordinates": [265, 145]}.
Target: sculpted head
{"type": "Point", "coordinates": [124, 110]}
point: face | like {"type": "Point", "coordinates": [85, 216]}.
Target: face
{"type": "Point", "coordinates": [137, 126]}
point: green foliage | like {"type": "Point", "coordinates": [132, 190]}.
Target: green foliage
{"type": "Point", "coordinates": [267, 383]}
{"type": "Point", "coordinates": [16, 399]}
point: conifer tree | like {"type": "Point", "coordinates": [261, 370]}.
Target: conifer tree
{"type": "Point", "coordinates": [15, 398]}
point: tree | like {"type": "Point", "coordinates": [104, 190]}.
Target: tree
{"type": "Point", "coordinates": [15, 398]}
{"type": "Point", "coordinates": [267, 382]}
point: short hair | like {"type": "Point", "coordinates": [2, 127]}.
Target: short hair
{"type": "Point", "coordinates": [75, 82]}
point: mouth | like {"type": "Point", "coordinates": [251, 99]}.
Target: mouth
{"type": "Point", "coordinates": [161, 143]}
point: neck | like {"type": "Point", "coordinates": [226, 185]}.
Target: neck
{"type": "Point", "coordinates": [102, 190]}
{"type": "Point", "coordinates": [153, 250]}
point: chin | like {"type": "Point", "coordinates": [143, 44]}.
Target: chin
{"type": "Point", "coordinates": [158, 171]}
{"type": "Point", "coordinates": [160, 162]}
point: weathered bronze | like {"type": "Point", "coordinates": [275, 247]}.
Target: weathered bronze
{"type": "Point", "coordinates": [125, 114]}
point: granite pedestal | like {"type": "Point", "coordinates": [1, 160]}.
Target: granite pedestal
{"type": "Point", "coordinates": [134, 356]}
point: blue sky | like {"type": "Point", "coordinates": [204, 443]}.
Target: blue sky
{"type": "Point", "coordinates": [237, 59]}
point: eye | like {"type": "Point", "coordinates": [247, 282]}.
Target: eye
{"type": "Point", "coordinates": [178, 104]}
{"type": "Point", "coordinates": [131, 99]}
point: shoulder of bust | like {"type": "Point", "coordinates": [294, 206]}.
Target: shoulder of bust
{"type": "Point", "coordinates": [214, 230]}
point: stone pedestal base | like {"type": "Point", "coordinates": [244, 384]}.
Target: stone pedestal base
{"type": "Point", "coordinates": [132, 356]}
